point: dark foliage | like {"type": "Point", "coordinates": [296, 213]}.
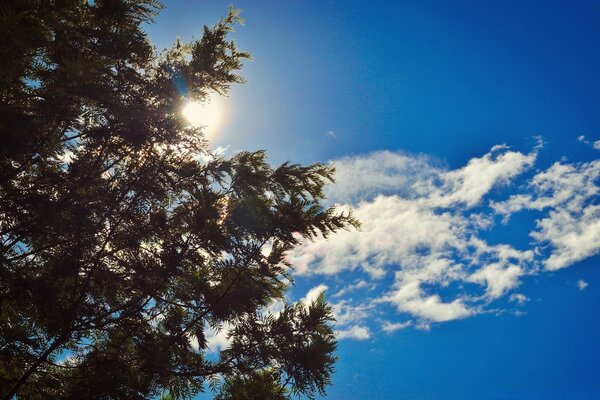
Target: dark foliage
{"type": "Point", "coordinates": [120, 248]}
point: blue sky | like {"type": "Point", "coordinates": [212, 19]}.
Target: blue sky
{"type": "Point", "coordinates": [467, 140]}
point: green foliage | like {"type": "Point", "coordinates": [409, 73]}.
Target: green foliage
{"type": "Point", "coordinates": [120, 247]}
{"type": "Point", "coordinates": [258, 385]}
{"type": "Point", "coordinates": [296, 344]}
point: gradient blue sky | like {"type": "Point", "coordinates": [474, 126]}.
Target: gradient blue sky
{"type": "Point", "coordinates": [409, 99]}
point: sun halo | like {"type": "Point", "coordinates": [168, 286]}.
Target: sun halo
{"type": "Point", "coordinates": [207, 114]}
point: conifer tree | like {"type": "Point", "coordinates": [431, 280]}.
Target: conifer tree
{"type": "Point", "coordinates": [124, 243]}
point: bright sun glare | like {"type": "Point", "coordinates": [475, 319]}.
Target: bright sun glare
{"type": "Point", "coordinates": [207, 114]}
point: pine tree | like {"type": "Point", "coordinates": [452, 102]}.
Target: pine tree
{"type": "Point", "coordinates": [124, 241]}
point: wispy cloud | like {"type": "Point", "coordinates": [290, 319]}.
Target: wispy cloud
{"type": "Point", "coordinates": [581, 284]}
{"type": "Point", "coordinates": [390, 327]}
{"type": "Point", "coordinates": [594, 143]}
{"type": "Point", "coordinates": [354, 332]}
{"type": "Point", "coordinates": [518, 298]}
{"type": "Point", "coordinates": [348, 317]}
{"type": "Point", "coordinates": [359, 284]}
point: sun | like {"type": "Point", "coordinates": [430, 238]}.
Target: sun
{"type": "Point", "coordinates": [207, 114]}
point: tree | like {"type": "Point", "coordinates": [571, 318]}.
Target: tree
{"type": "Point", "coordinates": [124, 241]}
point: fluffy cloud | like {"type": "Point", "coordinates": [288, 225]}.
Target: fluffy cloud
{"type": "Point", "coordinates": [571, 224]}
{"type": "Point", "coordinates": [498, 278]}
{"type": "Point", "coordinates": [217, 339]}
{"type": "Point", "coordinates": [409, 298]}
{"type": "Point", "coordinates": [362, 178]}
{"type": "Point", "coordinates": [345, 313]}
{"type": "Point", "coordinates": [421, 241]}
{"type": "Point", "coordinates": [469, 184]}
{"type": "Point", "coordinates": [354, 332]}
{"type": "Point", "coordinates": [574, 236]}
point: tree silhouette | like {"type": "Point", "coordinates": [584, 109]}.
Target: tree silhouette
{"type": "Point", "coordinates": [124, 241]}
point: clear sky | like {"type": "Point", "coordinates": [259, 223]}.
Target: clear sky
{"type": "Point", "coordinates": [467, 140]}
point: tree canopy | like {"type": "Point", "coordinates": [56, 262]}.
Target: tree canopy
{"type": "Point", "coordinates": [124, 241]}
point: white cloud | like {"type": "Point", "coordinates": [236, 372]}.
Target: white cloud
{"type": "Point", "coordinates": [67, 156]}
{"type": "Point", "coordinates": [410, 298]}
{"type": "Point", "coordinates": [595, 144]}
{"type": "Point", "coordinates": [390, 327]}
{"type": "Point", "coordinates": [393, 229]}
{"type": "Point", "coordinates": [498, 278]}
{"type": "Point", "coordinates": [581, 284]}
{"type": "Point", "coordinates": [345, 313]}
{"type": "Point", "coordinates": [571, 224]}
{"type": "Point", "coordinates": [425, 235]}
{"type": "Point", "coordinates": [421, 242]}
{"type": "Point", "coordinates": [313, 294]}
{"type": "Point", "coordinates": [216, 339]}
{"type": "Point", "coordinates": [220, 150]}
{"type": "Point", "coordinates": [518, 298]}
{"type": "Point", "coordinates": [361, 178]}
{"type": "Point", "coordinates": [208, 156]}
{"type": "Point", "coordinates": [354, 332]}
{"type": "Point", "coordinates": [574, 236]}
{"type": "Point", "coordinates": [469, 184]}
{"type": "Point", "coordinates": [274, 308]}
{"type": "Point", "coordinates": [360, 284]}
{"type": "Point", "coordinates": [423, 326]}
{"type": "Point", "coordinates": [565, 186]}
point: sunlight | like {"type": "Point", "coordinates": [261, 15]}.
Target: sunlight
{"type": "Point", "coordinates": [207, 114]}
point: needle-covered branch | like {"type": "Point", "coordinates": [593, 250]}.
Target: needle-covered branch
{"type": "Point", "coordinates": [123, 248]}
